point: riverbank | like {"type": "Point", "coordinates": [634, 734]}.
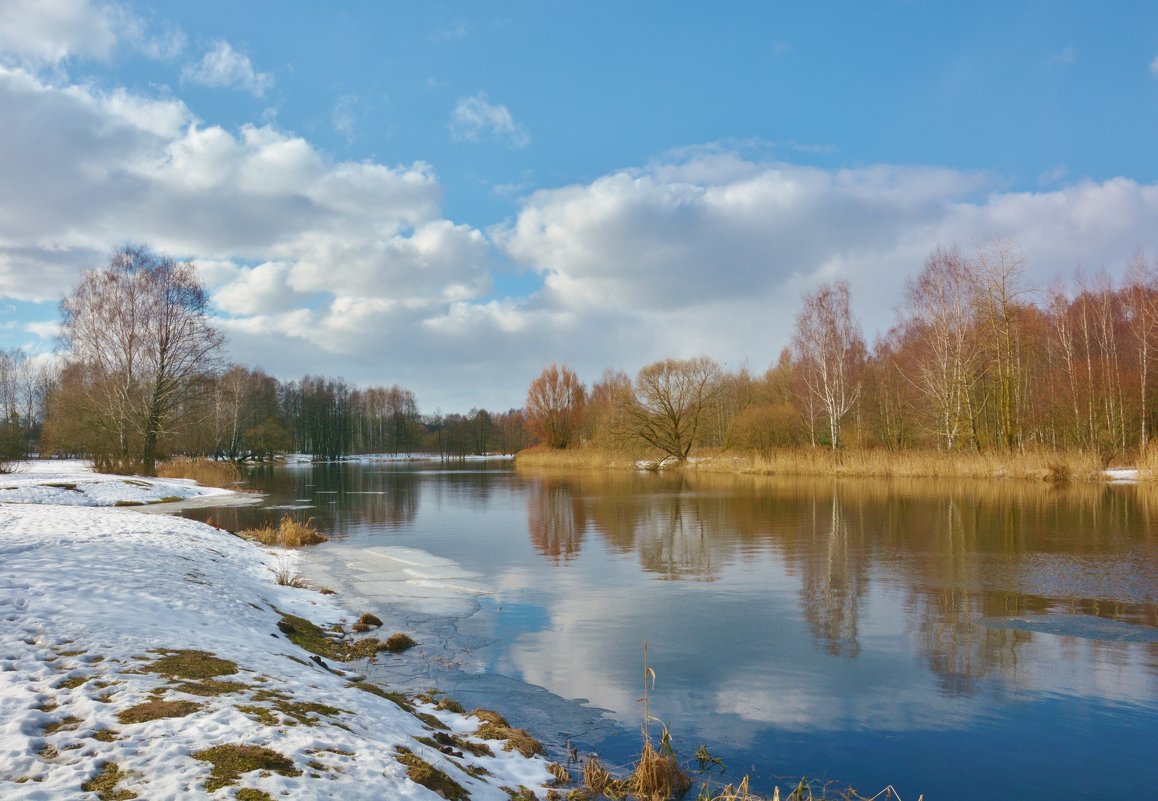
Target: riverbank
{"type": "Point", "coordinates": [1032, 465]}
{"type": "Point", "coordinates": [155, 657]}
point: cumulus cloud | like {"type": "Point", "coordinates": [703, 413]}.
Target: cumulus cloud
{"type": "Point", "coordinates": [350, 268]}
{"type": "Point", "coordinates": [39, 33]}
{"type": "Point", "coordinates": [51, 31]}
{"type": "Point", "coordinates": [476, 118]}
{"type": "Point", "coordinates": [222, 66]}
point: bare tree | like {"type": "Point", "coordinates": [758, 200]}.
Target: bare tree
{"type": "Point", "coordinates": [671, 399]}
{"type": "Point", "coordinates": [999, 304]}
{"type": "Point", "coordinates": [1141, 293]}
{"type": "Point", "coordinates": [140, 331]}
{"type": "Point", "coordinates": [940, 315]}
{"type": "Point", "coordinates": [555, 402]}
{"type": "Point", "coordinates": [830, 352]}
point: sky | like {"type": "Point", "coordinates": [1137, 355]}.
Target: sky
{"type": "Point", "coordinates": [451, 196]}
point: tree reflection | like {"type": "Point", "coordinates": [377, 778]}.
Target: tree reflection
{"type": "Point", "coordinates": [832, 581]}
{"type": "Point", "coordinates": [556, 520]}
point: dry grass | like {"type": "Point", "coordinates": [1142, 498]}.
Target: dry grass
{"type": "Point", "coordinates": [288, 533]}
{"type": "Point", "coordinates": [156, 710]}
{"type": "Point", "coordinates": [284, 575]}
{"type": "Point", "coordinates": [206, 472]}
{"type": "Point", "coordinates": [540, 458]}
{"type": "Point", "coordinates": [231, 760]}
{"type": "Point", "coordinates": [1034, 465]}
{"type": "Point", "coordinates": [1052, 465]}
{"type": "Point", "coordinates": [495, 727]}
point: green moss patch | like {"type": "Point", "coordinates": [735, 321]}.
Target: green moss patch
{"type": "Point", "coordinates": [156, 710]}
{"type": "Point", "coordinates": [316, 640]}
{"type": "Point", "coordinates": [430, 777]}
{"type": "Point", "coordinates": [194, 665]}
{"type": "Point", "coordinates": [128, 503]}
{"type": "Point", "coordinates": [232, 760]}
{"type": "Point", "coordinates": [105, 784]}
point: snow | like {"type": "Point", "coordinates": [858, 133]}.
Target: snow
{"type": "Point", "coordinates": [90, 596]}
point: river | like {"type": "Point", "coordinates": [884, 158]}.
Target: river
{"type": "Point", "coordinates": [960, 640]}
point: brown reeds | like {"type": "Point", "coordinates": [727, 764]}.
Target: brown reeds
{"type": "Point", "coordinates": [1037, 465]}
{"type": "Point", "coordinates": [288, 533]}
{"type": "Point", "coordinates": [206, 472]}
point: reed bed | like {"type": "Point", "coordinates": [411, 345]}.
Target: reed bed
{"type": "Point", "coordinates": [206, 472]}
{"type": "Point", "coordinates": [288, 533]}
{"type": "Point", "coordinates": [1058, 466]}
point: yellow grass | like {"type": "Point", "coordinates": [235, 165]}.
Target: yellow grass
{"type": "Point", "coordinates": [1036, 465]}
{"type": "Point", "coordinates": [206, 472]}
{"type": "Point", "coordinates": [289, 533]}
{"type": "Point", "coordinates": [542, 458]}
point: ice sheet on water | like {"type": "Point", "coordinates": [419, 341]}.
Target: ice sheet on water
{"type": "Point", "coordinates": [1086, 627]}
{"type": "Point", "coordinates": [406, 577]}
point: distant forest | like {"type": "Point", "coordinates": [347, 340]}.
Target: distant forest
{"type": "Point", "coordinates": [977, 360]}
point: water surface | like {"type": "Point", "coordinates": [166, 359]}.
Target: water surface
{"type": "Point", "coordinates": [956, 639]}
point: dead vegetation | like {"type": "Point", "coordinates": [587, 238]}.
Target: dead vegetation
{"type": "Point", "coordinates": [156, 710]}
{"type": "Point", "coordinates": [206, 472]}
{"type": "Point", "coordinates": [104, 784]}
{"type": "Point", "coordinates": [495, 727]}
{"type": "Point", "coordinates": [288, 533]}
{"type": "Point", "coordinates": [231, 760]}
{"type": "Point", "coordinates": [430, 777]}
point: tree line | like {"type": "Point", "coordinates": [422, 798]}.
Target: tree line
{"type": "Point", "coordinates": [977, 359]}
{"type": "Point", "coordinates": [142, 377]}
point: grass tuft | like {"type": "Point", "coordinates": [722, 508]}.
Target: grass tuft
{"type": "Point", "coordinates": [190, 664]}
{"type": "Point", "coordinates": [231, 760]}
{"type": "Point", "coordinates": [397, 643]}
{"type": "Point", "coordinates": [104, 784]}
{"type": "Point", "coordinates": [288, 533]}
{"type": "Point", "coordinates": [155, 710]}
{"type": "Point", "coordinates": [430, 777]}
{"type": "Point", "coordinates": [495, 727]}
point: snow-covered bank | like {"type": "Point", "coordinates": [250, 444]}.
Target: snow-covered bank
{"type": "Point", "coordinates": [131, 645]}
{"type": "Point", "coordinates": [73, 483]}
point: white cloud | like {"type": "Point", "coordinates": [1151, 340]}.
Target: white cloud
{"type": "Point", "coordinates": [51, 31]}
{"type": "Point", "coordinates": [1154, 67]}
{"type": "Point", "coordinates": [476, 118]}
{"type": "Point", "coordinates": [41, 33]}
{"type": "Point", "coordinates": [49, 329]}
{"type": "Point", "coordinates": [222, 66]}
{"type": "Point", "coordinates": [350, 268]}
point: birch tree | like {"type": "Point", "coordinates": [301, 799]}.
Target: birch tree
{"type": "Point", "coordinates": [830, 353]}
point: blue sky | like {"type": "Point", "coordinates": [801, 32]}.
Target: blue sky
{"type": "Point", "coordinates": [451, 196]}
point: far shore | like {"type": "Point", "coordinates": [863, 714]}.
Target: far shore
{"type": "Point", "coordinates": [1037, 465]}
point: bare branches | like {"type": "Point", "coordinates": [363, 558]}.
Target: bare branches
{"type": "Point", "coordinates": [139, 330]}
{"type": "Point", "coordinates": [831, 353]}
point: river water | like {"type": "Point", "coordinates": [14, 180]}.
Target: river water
{"type": "Point", "coordinates": [960, 640]}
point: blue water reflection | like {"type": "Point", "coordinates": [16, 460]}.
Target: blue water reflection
{"type": "Point", "coordinates": [959, 640]}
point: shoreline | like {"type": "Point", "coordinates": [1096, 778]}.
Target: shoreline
{"type": "Point", "coordinates": [149, 656]}
{"type": "Point", "coordinates": [1050, 466]}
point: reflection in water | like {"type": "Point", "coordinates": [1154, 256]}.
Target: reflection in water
{"type": "Point", "coordinates": [963, 554]}
{"type": "Point", "coordinates": [556, 520]}
{"type": "Point", "coordinates": [918, 633]}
